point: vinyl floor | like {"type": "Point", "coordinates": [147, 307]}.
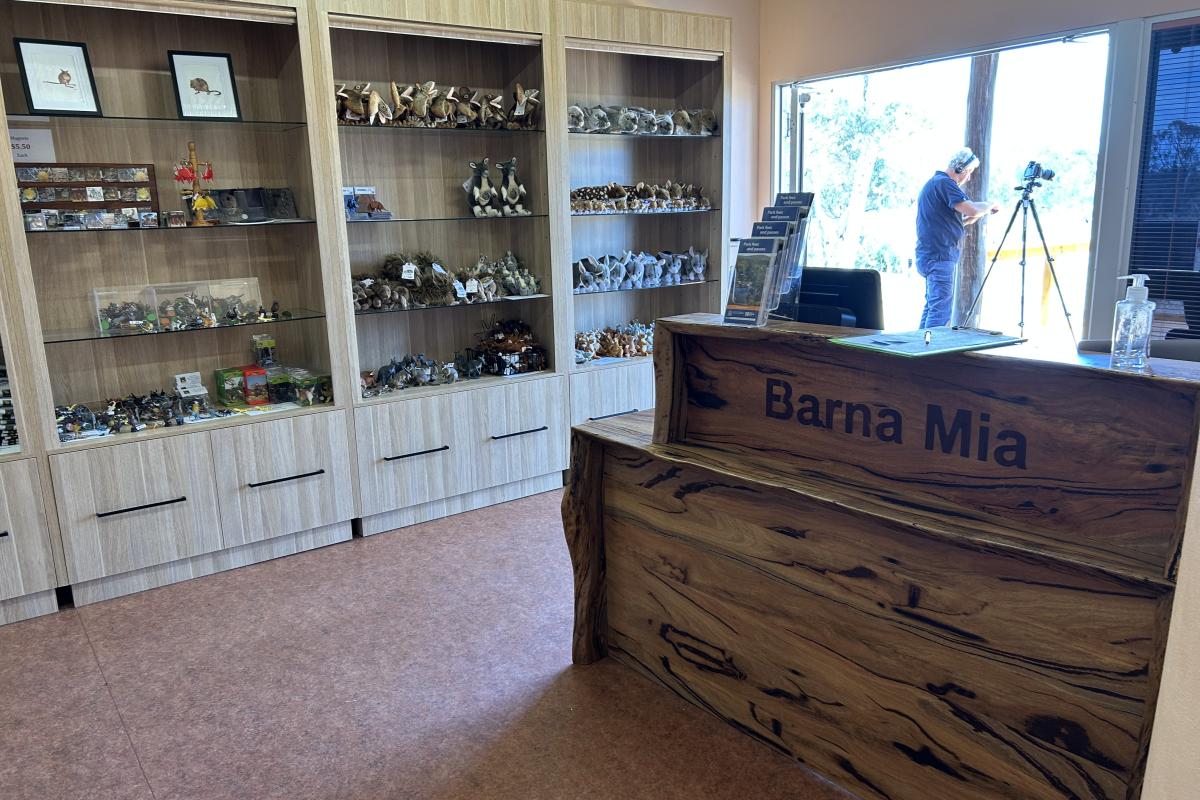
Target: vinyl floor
{"type": "Point", "coordinates": [431, 662]}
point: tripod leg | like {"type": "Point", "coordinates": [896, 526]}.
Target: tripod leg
{"type": "Point", "coordinates": [1053, 274]}
{"type": "Point", "coordinates": [991, 266]}
{"type": "Point", "coordinates": [1024, 247]}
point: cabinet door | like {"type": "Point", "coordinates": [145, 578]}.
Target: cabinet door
{"type": "Point", "coordinates": [25, 563]}
{"type": "Point", "coordinates": [282, 477]}
{"type": "Point", "coordinates": [516, 431]}
{"type": "Point", "coordinates": [135, 505]}
{"type": "Point", "coordinates": [409, 453]}
{"type": "Point", "coordinates": [603, 393]}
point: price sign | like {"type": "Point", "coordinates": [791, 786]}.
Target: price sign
{"type": "Point", "coordinates": [472, 286]}
{"type": "Point", "coordinates": [410, 271]}
{"type": "Point", "coordinates": [31, 145]}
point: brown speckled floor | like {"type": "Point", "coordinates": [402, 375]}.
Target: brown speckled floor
{"type": "Point", "coordinates": [432, 662]}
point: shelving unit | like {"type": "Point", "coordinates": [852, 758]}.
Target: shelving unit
{"type": "Point", "coordinates": [103, 515]}
{"type": "Point", "coordinates": [643, 73]}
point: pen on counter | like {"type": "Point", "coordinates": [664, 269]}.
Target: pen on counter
{"type": "Point", "coordinates": [928, 337]}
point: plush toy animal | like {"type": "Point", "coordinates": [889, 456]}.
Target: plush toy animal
{"type": "Point", "coordinates": [466, 112]}
{"type": "Point", "coordinates": [491, 112]}
{"type": "Point", "coordinates": [524, 111]}
{"type": "Point", "coordinates": [512, 192]}
{"type": "Point", "coordinates": [575, 119]}
{"type": "Point", "coordinates": [423, 95]}
{"type": "Point", "coordinates": [442, 108]}
{"type": "Point", "coordinates": [481, 194]}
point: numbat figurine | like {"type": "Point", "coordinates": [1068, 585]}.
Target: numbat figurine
{"type": "Point", "coordinates": [512, 191]}
{"type": "Point", "coordinates": [481, 194]}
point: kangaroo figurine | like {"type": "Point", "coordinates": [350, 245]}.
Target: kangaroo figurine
{"type": "Point", "coordinates": [512, 191]}
{"type": "Point", "coordinates": [481, 194]}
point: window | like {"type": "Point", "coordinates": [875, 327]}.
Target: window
{"type": "Point", "coordinates": [871, 140]}
{"type": "Point", "coordinates": [1165, 241]}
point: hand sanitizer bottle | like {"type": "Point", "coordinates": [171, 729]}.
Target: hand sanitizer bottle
{"type": "Point", "coordinates": [1131, 327]}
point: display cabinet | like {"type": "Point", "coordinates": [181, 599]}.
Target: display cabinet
{"type": "Point", "coordinates": [443, 264]}
{"type": "Point", "coordinates": [150, 318]}
{"type": "Point", "coordinates": [646, 128]}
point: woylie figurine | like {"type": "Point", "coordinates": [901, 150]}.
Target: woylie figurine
{"type": "Point", "coordinates": [481, 193]}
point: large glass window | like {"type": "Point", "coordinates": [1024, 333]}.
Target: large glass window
{"type": "Point", "coordinates": [870, 141]}
{"type": "Point", "coordinates": [1165, 242]}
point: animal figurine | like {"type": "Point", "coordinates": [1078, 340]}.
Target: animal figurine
{"type": "Point", "coordinates": [469, 365]}
{"type": "Point", "coordinates": [645, 121]}
{"type": "Point", "coordinates": [597, 120]}
{"type": "Point", "coordinates": [626, 122]}
{"type": "Point", "coordinates": [466, 110]}
{"type": "Point", "coordinates": [704, 122]}
{"type": "Point", "coordinates": [524, 111]}
{"type": "Point", "coordinates": [441, 108]}
{"type": "Point", "coordinates": [694, 265]}
{"type": "Point", "coordinates": [481, 194]}
{"type": "Point", "coordinates": [682, 121]}
{"type": "Point", "coordinates": [377, 109]}
{"type": "Point", "coordinates": [401, 102]}
{"type": "Point", "coordinates": [512, 191]}
{"type": "Point", "coordinates": [575, 119]}
{"type": "Point", "coordinates": [352, 103]}
{"type": "Point", "coordinates": [491, 112]}
{"type": "Point", "coordinates": [663, 124]}
{"type": "Point", "coordinates": [423, 95]}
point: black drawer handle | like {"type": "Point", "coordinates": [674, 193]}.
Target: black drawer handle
{"type": "Point", "coordinates": [289, 478]}
{"type": "Point", "coordinates": [610, 416]}
{"type": "Point", "coordinates": [521, 433]}
{"type": "Point", "coordinates": [3, 534]}
{"type": "Point", "coordinates": [418, 453]}
{"type": "Point", "coordinates": [104, 514]}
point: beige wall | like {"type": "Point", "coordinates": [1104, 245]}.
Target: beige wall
{"type": "Point", "coordinates": [743, 128]}
{"type": "Point", "coordinates": [802, 39]}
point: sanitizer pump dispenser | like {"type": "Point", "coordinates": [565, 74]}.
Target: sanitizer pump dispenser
{"type": "Point", "coordinates": [1131, 326]}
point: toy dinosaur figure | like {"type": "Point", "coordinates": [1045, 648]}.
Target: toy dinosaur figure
{"type": "Point", "coordinates": [512, 191]}
{"type": "Point", "coordinates": [481, 194]}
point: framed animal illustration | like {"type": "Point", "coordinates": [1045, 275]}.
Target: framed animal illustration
{"type": "Point", "coordinates": [57, 77]}
{"type": "Point", "coordinates": [204, 85]}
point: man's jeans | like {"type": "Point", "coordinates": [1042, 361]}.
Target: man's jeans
{"type": "Point", "coordinates": [939, 291]}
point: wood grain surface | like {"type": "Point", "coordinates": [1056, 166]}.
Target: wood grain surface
{"type": "Point", "coordinates": [1091, 462]}
{"type": "Point", "coordinates": [898, 663]}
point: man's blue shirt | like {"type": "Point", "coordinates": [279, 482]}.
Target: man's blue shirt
{"type": "Point", "coordinates": [939, 226]}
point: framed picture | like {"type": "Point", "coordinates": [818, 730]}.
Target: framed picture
{"type": "Point", "coordinates": [204, 85]}
{"type": "Point", "coordinates": [57, 77]}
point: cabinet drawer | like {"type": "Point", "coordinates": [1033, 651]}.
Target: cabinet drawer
{"type": "Point", "coordinates": [408, 452]}
{"type": "Point", "coordinates": [135, 505]}
{"type": "Point", "coordinates": [515, 431]}
{"type": "Point", "coordinates": [25, 563]}
{"type": "Point", "coordinates": [281, 477]}
{"type": "Point", "coordinates": [603, 393]}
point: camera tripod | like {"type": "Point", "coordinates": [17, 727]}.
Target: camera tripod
{"type": "Point", "coordinates": [1025, 207]}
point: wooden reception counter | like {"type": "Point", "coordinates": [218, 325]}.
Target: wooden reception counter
{"type": "Point", "coordinates": [945, 578]}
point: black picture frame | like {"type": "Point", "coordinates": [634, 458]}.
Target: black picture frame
{"type": "Point", "coordinates": [228, 65]}
{"type": "Point", "coordinates": [33, 107]}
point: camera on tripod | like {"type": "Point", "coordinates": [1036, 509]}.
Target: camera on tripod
{"type": "Point", "coordinates": [1036, 172]}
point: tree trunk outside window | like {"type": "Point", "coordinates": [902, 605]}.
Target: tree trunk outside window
{"type": "Point", "coordinates": [973, 265]}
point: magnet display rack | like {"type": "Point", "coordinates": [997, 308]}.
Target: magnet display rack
{"type": "Point", "coordinates": [608, 63]}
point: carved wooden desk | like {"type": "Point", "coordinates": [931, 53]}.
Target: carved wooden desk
{"type": "Point", "coordinates": [931, 579]}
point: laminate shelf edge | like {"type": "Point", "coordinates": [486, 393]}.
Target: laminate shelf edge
{"type": "Point", "coordinates": [675, 137]}
{"type": "Point", "coordinates": [448, 131]}
{"type": "Point", "coordinates": [249, 418]}
{"type": "Point", "coordinates": [647, 213]}
{"type": "Point", "coordinates": [85, 121]}
{"type": "Point", "coordinates": [512, 299]}
{"type": "Point", "coordinates": [470, 384]}
{"type": "Point", "coordinates": [273, 224]}
{"type": "Point", "coordinates": [441, 219]}
{"type": "Point", "coordinates": [613, 363]}
{"type": "Point", "coordinates": [647, 288]}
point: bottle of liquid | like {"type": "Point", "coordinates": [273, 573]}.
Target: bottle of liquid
{"type": "Point", "coordinates": [1131, 327]}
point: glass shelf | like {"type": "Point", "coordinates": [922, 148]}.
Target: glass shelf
{"type": "Point", "coordinates": [92, 334]}
{"type": "Point", "coordinates": [647, 288]}
{"type": "Point", "coordinates": [226, 227]}
{"type": "Point", "coordinates": [663, 213]}
{"type": "Point", "coordinates": [467, 218]}
{"type": "Point", "coordinates": [512, 299]}
{"type": "Point", "coordinates": [126, 122]}
{"type": "Point", "coordinates": [450, 131]}
{"type": "Point", "coordinates": [674, 137]}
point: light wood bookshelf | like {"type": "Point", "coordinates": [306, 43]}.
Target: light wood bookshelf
{"type": "Point", "coordinates": [508, 436]}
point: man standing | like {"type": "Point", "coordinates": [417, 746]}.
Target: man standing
{"type": "Point", "coordinates": [943, 212]}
